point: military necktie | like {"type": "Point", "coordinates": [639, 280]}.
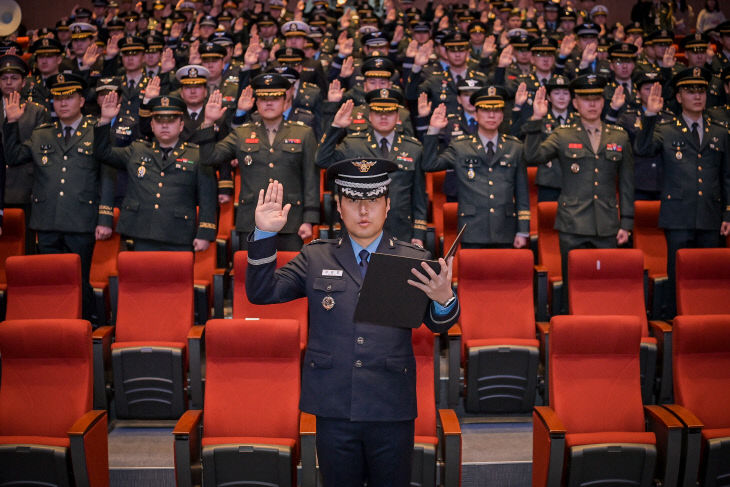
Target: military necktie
{"type": "Point", "coordinates": [490, 151]}
{"type": "Point", "coordinates": [194, 115]}
{"type": "Point", "coordinates": [384, 148]}
{"type": "Point", "coordinates": [561, 120]}
{"type": "Point", "coordinates": [67, 134]}
{"type": "Point", "coordinates": [595, 136]}
{"type": "Point", "coordinates": [364, 254]}
{"type": "Point", "coordinates": [131, 84]}
{"type": "Point", "coordinates": [696, 133]}
{"type": "Point", "coordinates": [165, 152]}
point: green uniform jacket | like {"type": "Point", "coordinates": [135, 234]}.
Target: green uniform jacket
{"type": "Point", "coordinates": [494, 200]}
{"type": "Point", "coordinates": [290, 160]}
{"type": "Point", "coordinates": [587, 204]}
{"type": "Point", "coordinates": [19, 179]}
{"type": "Point", "coordinates": [696, 181]}
{"type": "Point", "coordinates": [408, 199]}
{"type": "Point", "coordinates": [70, 190]}
{"type": "Point", "coordinates": [162, 194]}
{"type": "Point", "coordinates": [441, 87]}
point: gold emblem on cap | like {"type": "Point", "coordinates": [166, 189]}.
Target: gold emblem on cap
{"type": "Point", "coordinates": [697, 72]}
{"type": "Point", "coordinates": [560, 81]}
{"type": "Point", "coordinates": [384, 93]}
{"type": "Point", "coordinates": [268, 80]}
{"type": "Point", "coordinates": [328, 302]}
{"type": "Point", "coordinates": [44, 43]}
{"type": "Point", "coordinates": [193, 72]}
{"type": "Point", "coordinates": [129, 40]}
{"type": "Point", "coordinates": [165, 102]}
{"type": "Point", "coordinates": [491, 91]}
{"type": "Point", "coordinates": [363, 166]}
{"type": "Point", "coordinates": [60, 78]}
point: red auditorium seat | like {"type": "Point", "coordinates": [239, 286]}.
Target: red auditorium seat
{"type": "Point", "coordinates": [611, 282]}
{"type": "Point", "coordinates": [703, 281]}
{"type": "Point", "coordinates": [12, 242]}
{"type": "Point", "coordinates": [702, 394]}
{"type": "Point", "coordinates": [450, 217]}
{"type": "Point", "coordinates": [548, 254]}
{"type": "Point", "coordinates": [649, 238]}
{"type": "Point", "coordinates": [155, 340]}
{"type": "Point", "coordinates": [209, 283]}
{"type": "Point", "coordinates": [500, 352]}
{"type": "Point", "coordinates": [102, 276]}
{"type": "Point", "coordinates": [594, 431]}
{"type": "Point", "coordinates": [243, 308]}
{"type": "Point", "coordinates": [251, 418]}
{"type": "Point", "coordinates": [435, 190]}
{"type": "Point", "coordinates": [43, 286]}
{"type": "Point", "coordinates": [437, 433]}
{"type": "Point", "coordinates": [49, 434]}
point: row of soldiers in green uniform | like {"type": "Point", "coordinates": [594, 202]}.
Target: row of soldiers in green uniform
{"type": "Point", "coordinates": [489, 166]}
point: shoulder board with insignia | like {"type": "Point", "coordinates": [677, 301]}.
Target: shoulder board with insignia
{"type": "Point", "coordinates": [614, 127]}
{"type": "Point", "coordinates": [307, 84]}
{"type": "Point", "coordinates": [301, 124]}
{"type": "Point", "coordinates": [359, 134]}
{"type": "Point", "coordinates": [191, 145]}
{"type": "Point", "coordinates": [510, 138]}
{"type": "Point", "coordinates": [463, 137]}
{"type": "Point", "coordinates": [146, 142]}
{"type": "Point", "coordinates": [403, 243]}
{"type": "Point", "coordinates": [303, 110]}
{"type": "Point", "coordinates": [719, 123]}
{"type": "Point", "coordinates": [410, 138]}
{"type": "Point", "coordinates": [321, 241]}
{"type": "Point", "coordinates": [479, 73]}
{"type": "Point", "coordinates": [667, 121]}
{"type": "Point", "coordinates": [564, 127]}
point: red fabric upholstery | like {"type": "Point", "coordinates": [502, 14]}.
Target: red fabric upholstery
{"type": "Point", "coordinates": [155, 296]}
{"type": "Point", "coordinates": [649, 238]}
{"type": "Point", "coordinates": [435, 190]}
{"type": "Point", "coordinates": [548, 245]}
{"type": "Point", "coordinates": [531, 176]}
{"type": "Point", "coordinates": [701, 359]}
{"type": "Point", "coordinates": [703, 281]}
{"type": "Point", "coordinates": [594, 373]}
{"type": "Point", "coordinates": [12, 240]}
{"type": "Point", "coordinates": [35, 440]}
{"type": "Point", "coordinates": [607, 282]}
{"type": "Point", "coordinates": [104, 260]}
{"type": "Point", "coordinates": [709, 434]}
{"type": "Point", "coordinates": [242, 307]}
{"type": "Point", "coordinates": [43, 286]}
{"type": "Point", "coordinates": [46, 378]}
{"type": "Point", "coordinates": [578, 439]}
{"type": "Point", "coordinates": [252, 380]}
{"type": "Point", "coordinates": [423, 350]}
{"type": "Point", "coordinates": [496, 295]}
{"type": "Point", "coordinates": [225, 220]}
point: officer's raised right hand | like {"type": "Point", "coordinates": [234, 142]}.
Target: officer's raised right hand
{"type": "Point", "coordinates": [13, 109]}
{"type": "Point", "coordinates": [270, 216]}
{"type": "Point", "coordinates": [539, 104]}
{"type": "Point", "coordinates": [343, 117]}
{"type": "Point", "coordinates": [655, 102]}
{"type": "Point", "coordinates": [110, 107]}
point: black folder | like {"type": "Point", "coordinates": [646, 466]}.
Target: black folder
{"type": "Point", "coordinates": [386, 298]}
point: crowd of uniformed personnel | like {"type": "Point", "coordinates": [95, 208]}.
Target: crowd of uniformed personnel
{"type": "Point", "coordinates": [144, 105]}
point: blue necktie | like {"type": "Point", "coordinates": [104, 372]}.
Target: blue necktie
{"type": "Point", "coordinates": [364, 254]}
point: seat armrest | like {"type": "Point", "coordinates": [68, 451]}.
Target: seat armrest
{"type": "Point", "coordinates": [691, 443]}
{"type": "Point", "coordinates": [543, 335]}
{"type": "Point", "coordinates": [308, 435]}
{"type": "Point", "coordinates": [451, 447]}
{"type": "Point", "coordinates": [454, 359]}
{"type": "Point", "coordinates": [90, 449]}
{"type": "Point", "coordinates": [113, 295]}
{"type": "Point", "coordinates": [541, 293]}
{"type": "Point", "coordinates": [102, 349]}
{"type": "Point", "coordinates": [662, 331]}
{"type": "Point", "coordinates": [195, 346]}
{"type": "Point", "coordinates": [668, 431]}
{"type": "Point", "coordinates": [548, 450]}
{"type": "Point", "coordinates": [187, 446]}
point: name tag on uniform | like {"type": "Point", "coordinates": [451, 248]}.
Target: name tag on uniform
{"type": "Point", "coordinates": [332, 272]}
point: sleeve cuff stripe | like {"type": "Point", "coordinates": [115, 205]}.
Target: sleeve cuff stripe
{"type": "Point", "coordinates": [265, 260]}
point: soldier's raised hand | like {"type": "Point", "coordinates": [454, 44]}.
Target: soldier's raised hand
{"type": "Point", "coordinates": [214, 109]}
{"type": "Point", "coordinates": [618, 99]}
{"type": "Point", "coordinates": [412, 49]}
{"type": "Point", "coordinates": [669, 60]}
{"type": "Point", "coordinates": [348, 67]}
{"type": "Point", "coordinates": [343, 117]}
{"type": "Point", "coordinates": [270, 216]}
{"type": "Point", "coordinates": [489, 47]}
{"type": "Point", "coordinates": [167, 61]}
{"type": "Point", "coordinates": [110, 107]}
{"type": "Point", "coordinates": [655, 102]}
{"type": "Point", "coordinates": [505, 58]}
{"type": "Point", "coordinates": [335, 92]}
{"type": "Point", "coordinates": [423, 54]}
{"type": "Point", "coordinates": [152, 90]}
{"type": "Point", "coordinates": [567, 45]}
{"type": "Point", "coordinates": [438, 119]}
{"type": "Point", "coordinates": [539, 104]}
{"type": "Point", "coordinates": [13, 108]}
{"type": "Point", "coordinates": [424, 106]}
{"type": "Point", "coordinates": [521, 95]}
{"type": "Point", "coordinates": [589, 55]}
{"type": "Point", "coordinates": [246, 100]}
{"type": "Point", "coordinates": [90, 56]}
{"type": "Point", "coordinates": [251, 58]}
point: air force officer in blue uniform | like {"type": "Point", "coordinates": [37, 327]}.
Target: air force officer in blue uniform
{"type": "Point", "coordinates": [359, 379]}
